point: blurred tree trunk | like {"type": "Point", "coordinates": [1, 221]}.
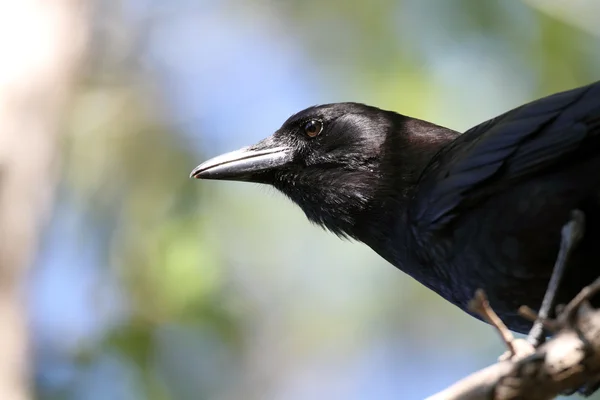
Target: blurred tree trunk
{"type": "Point", "coordinates": [41, 44]}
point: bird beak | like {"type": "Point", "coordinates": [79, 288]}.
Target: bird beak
{"type": "Point", "coordinates": [242, 165]}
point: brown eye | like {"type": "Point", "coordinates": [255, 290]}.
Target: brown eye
{"type": "Point", "coordinates": [313, 127]}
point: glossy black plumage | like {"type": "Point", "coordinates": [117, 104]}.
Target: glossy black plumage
{"type": "Point", "coordinates": [457, 212]}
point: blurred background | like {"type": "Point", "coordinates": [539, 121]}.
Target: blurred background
{"type": "Point", "coordinates": [135, 282]}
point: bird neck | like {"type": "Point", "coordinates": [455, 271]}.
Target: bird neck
{"type": "Point", "coordinates": [384, 225]}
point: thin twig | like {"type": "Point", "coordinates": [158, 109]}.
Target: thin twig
{"type": "Point", "coordinates": [481, 305]}
{"type": "Point", "coordinates": [570, 310]}
{"type": "Point", "coordinates": [530, 315]}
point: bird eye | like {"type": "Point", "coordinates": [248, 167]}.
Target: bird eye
{"type": "Point", "coordinates": [313, 127]}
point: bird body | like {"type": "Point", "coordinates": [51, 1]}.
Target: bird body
{"type": "Point", "coordinates": [457, 212]}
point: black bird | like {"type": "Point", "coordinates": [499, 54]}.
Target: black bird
{"type": "Point", "coordinates": [457, 212]}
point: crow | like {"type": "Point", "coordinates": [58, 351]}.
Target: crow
{"type": "Point", "coordinates": [486, 209]}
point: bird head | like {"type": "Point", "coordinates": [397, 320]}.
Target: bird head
{"type": "Point", "coordinates": [330, 160]}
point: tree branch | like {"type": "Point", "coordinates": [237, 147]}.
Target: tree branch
{"type": "Point", "coordinates": [568, 361]}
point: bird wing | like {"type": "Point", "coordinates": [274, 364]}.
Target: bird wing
{"type": "Point", "coordinates": [555, 131]}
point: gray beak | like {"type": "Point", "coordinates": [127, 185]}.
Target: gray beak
{"type": "Point", "coordinates": [243, 164]}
